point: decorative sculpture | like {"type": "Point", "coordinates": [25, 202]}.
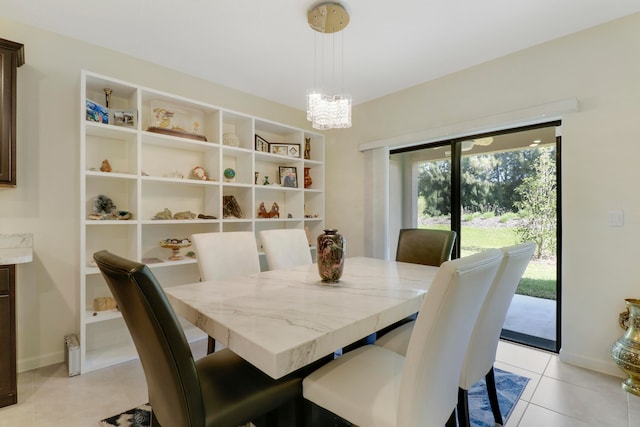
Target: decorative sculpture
{"type": "Point", "coordinates": [275, 211]}
{"type": "Point", "coordinates": [307, 148]}
{"type": "Point", "coordinates": [262, 211]}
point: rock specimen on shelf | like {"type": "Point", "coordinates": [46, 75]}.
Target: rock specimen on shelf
{"type": "Point", "coordinates": [184, 215]}
{"type": "Point", "coordinates": [230, 207]}
{"type": "Point", "coordinates": [199, 173]}
{"type": "Point", "coordinates": [104, 303]}
{"type": "Point", "coordinates": [105, 166]}
{"type": "Point", "coordinates": [165, 214]}
{"type": "Point", "coordinates": [203, 216]}
{"type": "Point", "coordinates": [103, 204]}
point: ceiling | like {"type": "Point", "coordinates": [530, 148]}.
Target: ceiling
{"type": "Point", "coordinates": [266, 48]}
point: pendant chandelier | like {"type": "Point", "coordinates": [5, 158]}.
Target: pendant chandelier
{"type": "Point", "coordinates": [326, 111]}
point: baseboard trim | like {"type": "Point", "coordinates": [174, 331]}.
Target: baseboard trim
{"type": "Point", "coordinates": [30, 363]}
{"type": "Point", "coordinates": [605, 367]}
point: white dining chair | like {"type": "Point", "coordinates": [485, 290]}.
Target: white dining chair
{"type": "Point", "coordinates": [285, 248]}
{"type": "Point", "coordinates": [481, 353]}
{"type": "Point", "coordinates": [375, 387]}
{"type": "Point", "coordinates": [223, 255]}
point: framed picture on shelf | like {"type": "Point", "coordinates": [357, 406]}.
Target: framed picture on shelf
{"type": "Point", "coordinates": [288, 176]}
{"type": "Point", "coordinates": [262, 144]}
{"type": "Point", "coordinates": [291, 150]}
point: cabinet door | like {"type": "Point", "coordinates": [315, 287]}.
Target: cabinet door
{"type": "Point", "coordinates": [10, 58]}
{"type": "Point", "coordinates": [8, 392]}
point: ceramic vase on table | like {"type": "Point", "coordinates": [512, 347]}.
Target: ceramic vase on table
{"type": "Point", "coordinates": [331, 250]}
{"type": "Point", "coordinates": [626, 351]}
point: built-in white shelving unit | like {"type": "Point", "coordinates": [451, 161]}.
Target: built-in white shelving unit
{"type": "Point", "coordinates": [152, 170]}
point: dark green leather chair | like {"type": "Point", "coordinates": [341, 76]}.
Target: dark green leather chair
{"type": "Point", "coordinates": [425, 246]}
{"type": "Point", "coordinates": [221, 389]}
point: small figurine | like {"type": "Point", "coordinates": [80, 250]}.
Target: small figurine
{"type": "Point", "coordinates": [105, 166]}
{"type": "Point", "coordinates": [266, 181]}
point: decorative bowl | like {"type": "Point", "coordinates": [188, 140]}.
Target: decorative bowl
{"type": "Point", "coordinates": [175, 245]}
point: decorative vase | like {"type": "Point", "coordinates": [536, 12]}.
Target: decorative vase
{"type": "Point", "coordinates": [626, 351]}
{"type": "Point", "coordinates": [331, 248]}
{"type": "Point", "coordinates": [307, 178]}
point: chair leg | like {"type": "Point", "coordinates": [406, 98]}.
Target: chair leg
{"type": "Point", "coordinates": [451, 422]}
{"type": "Point", "coordinates": [272, 419]}
{"type": "Point", "coordinates": [211, 345]}
{"type": "Point", "coordinates": [493, 396]}
{"type": "Point", "coordinates": [463, 408]}
{"type": "Point", "coordinates": [154, 421]}
{"type": "Point", "coordinates": [299, 412]}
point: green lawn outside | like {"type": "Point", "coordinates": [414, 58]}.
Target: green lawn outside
{"type": "Point", "coordinates": [539, 280]}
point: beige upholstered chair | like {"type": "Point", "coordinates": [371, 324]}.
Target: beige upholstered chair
{"type": "Point", "coordinates": [425, 246]}
{"type": "Point", "coordinates": [220, 389]}
{"type": "Point", "coordinates": [285, 248]}
{"type": "Point", "coordinates": [376, 387]}
{"type": "Point", "coordinates": [224, 255]}
{"type": "Point", "coordinates": [481, 353]}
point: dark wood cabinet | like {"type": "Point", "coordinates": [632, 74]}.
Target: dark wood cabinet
{"type": "Point", "coordinates": [11, 57]}
{"type": "Point", "coordinates": [8, 384]}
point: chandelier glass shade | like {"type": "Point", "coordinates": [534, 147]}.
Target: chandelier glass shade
{"type": "Point", "coordinates": [326, 111]}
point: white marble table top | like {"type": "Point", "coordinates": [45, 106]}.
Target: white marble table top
{"type": "Point", "coordinates": [283, 320]}
{"type": "Point", "coordinates": [16, 248]}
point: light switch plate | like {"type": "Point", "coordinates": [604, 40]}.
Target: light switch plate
{"type": "Point", "coordinates": [616, 218]}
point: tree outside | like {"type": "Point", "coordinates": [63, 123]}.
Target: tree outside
{"type": "Point", "coordinates": [507, 198]}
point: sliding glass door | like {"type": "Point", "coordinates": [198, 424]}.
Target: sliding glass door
{"type": "Point", "coordinates": [494, 190]}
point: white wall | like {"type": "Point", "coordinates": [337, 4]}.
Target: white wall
{"type": "Point", "coordinates": [46, 200]}
{"type": "Point", "coordinates": [600, 158]}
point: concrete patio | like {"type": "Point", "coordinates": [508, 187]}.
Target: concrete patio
{"type": "Point", "coordinates": [532, 316]}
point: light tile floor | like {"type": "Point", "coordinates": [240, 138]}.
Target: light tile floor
{"type": "Point", "coordinates": [558, 394]}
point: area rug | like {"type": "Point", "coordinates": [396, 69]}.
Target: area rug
{"type": "Point", "coordinates": [510, 387]}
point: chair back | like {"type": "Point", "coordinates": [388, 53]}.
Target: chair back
{"type": "Point", "coordinates": [285, 248]}
{"type": "Point", "coordinates": [169, 368]}
{"type": "Point", "coordinates": [425, 246]}
{"type": "Point", "coordinates": [224, 255]}
{"type": "Point", "coordinates": [483, 345]}
{"type": "Point", "coordinates": [431, 373]}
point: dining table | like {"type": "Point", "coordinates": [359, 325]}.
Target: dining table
{"type": "Point", "coordinates": [283, 320]}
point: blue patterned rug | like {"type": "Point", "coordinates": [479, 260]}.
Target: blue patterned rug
{"type": "Point", "coordinates": [510, 387]}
